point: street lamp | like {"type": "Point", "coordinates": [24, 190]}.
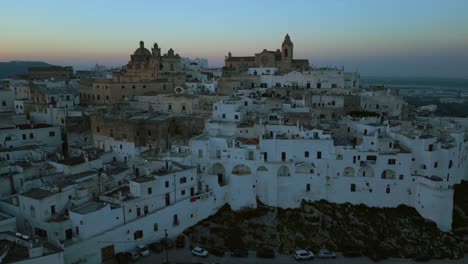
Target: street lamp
{"type": "Point", "coordinates": [165, 245]}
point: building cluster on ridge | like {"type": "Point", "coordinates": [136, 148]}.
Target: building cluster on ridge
{"type": "Point", "coordinates": [97, 162]}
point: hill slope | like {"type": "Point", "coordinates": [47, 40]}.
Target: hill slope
{"type": "Point", "coordinates": [12, 68]}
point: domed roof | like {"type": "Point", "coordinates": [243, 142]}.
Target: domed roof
{"type": "Point", "coordinates": [142, 51]}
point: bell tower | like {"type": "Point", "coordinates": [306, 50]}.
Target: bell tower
{"type": "Point", "coordinates": [287, 49]}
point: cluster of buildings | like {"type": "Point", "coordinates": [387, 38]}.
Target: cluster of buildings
{"type": "Point", "coordinates": [94, 165]}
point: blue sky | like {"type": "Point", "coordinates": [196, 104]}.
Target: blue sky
{"type": "Point", "coordinates": [380, 38]}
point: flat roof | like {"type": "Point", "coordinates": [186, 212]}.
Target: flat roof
{"type": "Point", "coordinates": [38, 194]}
{"type": "Point", "coordinates": [88, 208]}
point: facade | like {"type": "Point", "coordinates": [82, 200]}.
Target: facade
{"type": "Point", "coordinates": [282, 59]}
{"type": "Point", "coordinates": [56, 73]}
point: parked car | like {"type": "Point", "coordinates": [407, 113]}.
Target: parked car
{"type": "Point", "coordinates": [199, 252]}
{"type": "Point", "coordinates": [167, 243]}
{"type": "Point", "coordinates": [216, 251]}
{"type": "Point", "coordinates": [142, 250]}
{"type": "Point", "coordinates": [243, 253]}
{"type": "Point", "coordinates": [156, 247]}
{"type": "Point", "coordinates": [180, 241]}
{"type": "Point", "coordinates": [303, 254]}
{"type": "Point", "coordinates": [325, 253]}
{"type": "Point", "coordinates": [352, 253]}
{"type": "Point", "coordinates": [133, 255]}
{"type": "Point", "coordinates": [265, 253]}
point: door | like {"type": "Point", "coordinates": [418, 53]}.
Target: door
{"type": "Point", "coordinates": [107, 252]}
{"type": "Point", "coordinates": [168, 199]}
{"type": "Point", "coordinates": [68, 234]}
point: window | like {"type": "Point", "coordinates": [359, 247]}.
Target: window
{"type": "Point", "coordinates": [120, 146]}
{"type": "Point", "coordinates": [150, 190]}
{"type": "Point", "coordinates": [97, 129]}
{"type": "Point", "coordinates": [308, 187]}
{"type": "Point", "coordinates": [24, 136]}
{"type": "Point", "coordinates": [52, 209]}
{"type": "Point", "coordinates": [388, 189]}
{"type": "Point", "coordinates": [138, 234]}
{"type": "Point", "coordinates": [169, 107]}
{"type": "Point", "coordinates": [52, 134]}
{"type": "Point", "coordinates": [306, 154]}
{"type": "Point", "coordinates": [353, 187]}
{"type": "Point", "coordinates": [283, 156]}
{"type": "Point", "coordinates": [175, 220]}
{"type": "Point", "coordinates": [166, 184]}
{"type": "Point", "coordinates": [285, 52]}
{"type": "Point", "coordinates": [145, 209]}
{"type": "Point", "coordinates": [391, 162]}
{"type": "Point", "coordinates": [149, 132]}
{"type": "Point", "coordinates": [31, 135]}
{"type": "Point", "coordinates": [155, 227]}
{"type": "Point", "coordinates": [182, 192]}
{"type": "Point", "coordinates": [236, 117]}
{"type": "Point", "coordinates": [436, 164]}
{"type": "Point", "coordinates": [319, 154]}
{"type": "Point", "coordinates": [77, 230]}
{"type": "Point", "coordinates": [183, 108]}
{"type": "Point", "coordinates": [138, 211]}
{"type": "Point", "coordinates": [183, 180]}
{"type": "Point", "coordinates": [224, 115]}
{"type": "Point", "coordinates": [450, 164]}
{"type": "Point", "coordinates": [200, 153]}
{"type": "Point", "coordinates": [3, 103]}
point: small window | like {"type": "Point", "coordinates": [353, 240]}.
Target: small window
{"type": "Point", "coordinates": [31, 135]}
{"type": "Point", "coordinates": [183, 180]}
{"type": "Point", "coordinates": [353, 187]}
{"type": "Point", "coordinates": [138, 234]}
{"type": "Point", "coordinates": [155, 227]}
{"type": "Point", "coordinates": [167, 184]}
{"type": "Point", "coordinates": [391, 162]}
{"type": "Point", "coordinates": [436, 164]}
{"type": "Point", "coordinates": [150, 190]}
{"type": "Point", "coordinates": [236, 117]}
{"type": "Point", "coordinates": [52, 134]}
{"type": "Point", "coordinates": [182, 192]}
{"type": "Point", "coordinates": [306, 154]}
{"type": "Point", "coordinates": [308, 187]}
{"type": "Point", "coordinates": [224, 116]}
{"type": "Point", "coordinates": [319, 155]}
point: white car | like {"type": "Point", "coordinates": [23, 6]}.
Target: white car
{"type": "Point", "coordinates": [142, 250]}
{"type": "Point", "coordinates": [200, 252]}
{"type": "Point", "coordinates": [303, 254]}
{"type": "Point", "coordinates": [325, 253]}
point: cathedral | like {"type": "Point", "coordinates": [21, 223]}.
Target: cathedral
{"type": "Point", "coordinates": [282, 59]}
{"type": "Point", "coordinates": [145, 65]}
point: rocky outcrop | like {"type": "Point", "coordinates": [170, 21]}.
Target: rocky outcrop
{"type": "Point", "coordinates": [387, 232]}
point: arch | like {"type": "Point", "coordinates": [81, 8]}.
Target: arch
{"type": "Point", "coordinates": [305, 168]}
{"type": "Point", "coordinates": [366, 172]}
{"type": "Point", "coordinates": [218, 170]}
{"type": "Point", "coordinates": [241, 169]}
{"type": "Point", "coordinates": [348, 171]}
{"type": "Point", "coordinates": [262, 168]}
{"type": "Point", "coordinates": [284, 171]}
{"type": "Point", "coordinates": [388, 174]}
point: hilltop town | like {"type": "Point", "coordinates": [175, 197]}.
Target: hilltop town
{"type": "Point", "coordinates": [94, 163]}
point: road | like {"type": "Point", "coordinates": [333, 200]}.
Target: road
{"type": "Point", "coordinates": [184, 256]}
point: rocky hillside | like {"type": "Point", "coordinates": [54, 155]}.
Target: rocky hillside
{"type": "Point", "coordinates": [389, 232]}
{"type": "Point", "coordinates": [460, 212]}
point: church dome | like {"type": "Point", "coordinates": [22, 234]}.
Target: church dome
{"type": "Point", "coordinates": [142, 51]}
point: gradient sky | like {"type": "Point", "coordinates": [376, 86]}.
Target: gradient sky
{"type": "Point", "coordinates": [378, 37]}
